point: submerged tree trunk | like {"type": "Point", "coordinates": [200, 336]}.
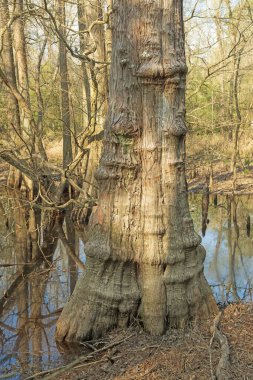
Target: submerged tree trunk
{"type": "Point", "coordinates": [143, 256]}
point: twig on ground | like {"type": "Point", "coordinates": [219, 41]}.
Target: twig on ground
{"type": "Point", "coordinates": [88, 345]}
{"type": "Point", "coordinates": [104, 359]}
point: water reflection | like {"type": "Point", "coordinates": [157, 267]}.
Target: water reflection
{"type": "Point", "coordinates": [37, 276]}
{"type": "Point", "coordinates": [227, 240]}
{"type": "Point", "coordinates": [205, 207]}
{"type": "Point", "coordinates": [27, 328]}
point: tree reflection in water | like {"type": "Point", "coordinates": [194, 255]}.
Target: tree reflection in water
{"type": "Point", "coordinates": [37, 277]}
{"type": "Point", "coordinates": [229, 247]}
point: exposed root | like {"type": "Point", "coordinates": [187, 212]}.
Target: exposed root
{"type": "Point", "coordinates": [105, 297]}
{"type": "Point", "coordinates": [222, 372]}
{"type": "Point", "coordinates": [110, 294]}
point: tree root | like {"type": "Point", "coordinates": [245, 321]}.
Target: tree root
{"type": "Point", "coordinates": [222, 372]}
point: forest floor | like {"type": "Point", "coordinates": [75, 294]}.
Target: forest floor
{"type": "Point", "coordinates": [222, 176]}
{"type": "Point", "coordinates": [188, 355]}
{"type": "Point", "coordinates": [196, 178]}
{"type": "Point", "coordinates": [222, 180]}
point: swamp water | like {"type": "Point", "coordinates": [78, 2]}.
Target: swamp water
{"type": "Point", "coordinates": [28, 318]}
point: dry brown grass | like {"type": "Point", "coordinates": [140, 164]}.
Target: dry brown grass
{"type": "Point", "coordinates": [177, 355]}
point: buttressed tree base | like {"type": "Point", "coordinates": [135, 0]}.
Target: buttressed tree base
{"type": "Point", "coordinates": [143, 256]}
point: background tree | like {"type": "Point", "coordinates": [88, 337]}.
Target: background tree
{"type": "Point", "coordinates": [219, 36]}
{"type": "Point", "coordinates": [65, 102]}
{"type": "Point", "coordinates": [35, 74]}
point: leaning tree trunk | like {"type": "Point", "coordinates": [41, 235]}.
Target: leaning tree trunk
{"type": "Point", "coordinates": [143, 256]}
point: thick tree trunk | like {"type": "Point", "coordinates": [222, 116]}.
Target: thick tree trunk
{"type": "Point", "coordinates": [25, 128]}
{"type": "Point", "coordinates": [143, 256]}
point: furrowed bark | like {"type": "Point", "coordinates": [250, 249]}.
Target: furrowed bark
{"type": "Point", "coordinates": [143, 256]}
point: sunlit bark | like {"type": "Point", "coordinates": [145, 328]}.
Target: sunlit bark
{"type": "Point", "coordinates": [143, 256]}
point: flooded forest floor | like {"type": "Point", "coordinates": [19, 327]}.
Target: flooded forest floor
{"type": "Point", "coordinates": [222, 179]}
